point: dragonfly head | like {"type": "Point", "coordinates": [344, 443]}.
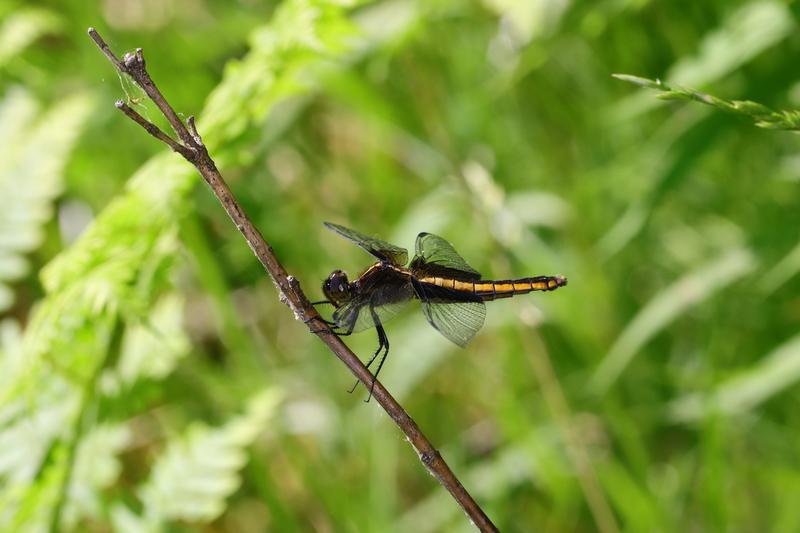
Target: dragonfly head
{"type": "Point", "coordinates": [337, 288]}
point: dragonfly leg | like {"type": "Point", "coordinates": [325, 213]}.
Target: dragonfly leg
{"type": "Point", "coordinates": [381, 342]}
{"type": "Point", "coordinates": [333, 328]}
{"type": "Point", "coordinates": [328, 322]}
{"type": "Point", "coordinates": [385, 343]}
{"type": "Point", "coordinates": [332, 325]}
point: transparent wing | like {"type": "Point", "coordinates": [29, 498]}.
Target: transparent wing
{"type": "Point", "coordinates": [378, 248]}
{"type": "Point", "coordinates": [436, 256]}
{"type": "Point", "coordinates": [359, 316]}
{"type": "Point", "coordinates": [458, 321]}
{"type": "Point", "coordinates": [453, 314]}
{"type": "Point", "coordinates": [386, 302]}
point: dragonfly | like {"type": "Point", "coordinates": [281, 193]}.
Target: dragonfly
{"type": "Point", "coordinates": [451, 292]}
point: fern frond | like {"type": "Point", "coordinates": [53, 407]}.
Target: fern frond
{"type": "Point", "coordinates": [27, 507]}
{"type": "Point", "coordinates": [153, 348]}
{"type": "Point", "coordinates": [34, 148]}
{"type": "Point", "coordinates": [10, 350]}
{"type": "Point", "coordinates": [199, 470]}
{"type": "Point", "coordinates": [115, 272]}
{"type": "Point", "coordinates": [96, 468]}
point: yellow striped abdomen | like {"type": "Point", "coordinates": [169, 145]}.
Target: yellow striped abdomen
{"type": "Point", "coordinates": [493, 289]}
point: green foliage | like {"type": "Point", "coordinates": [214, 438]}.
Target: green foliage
{"type": "Point", "coordinates": [741, 393]}
{"type": "Point", "coordinates": [111, 279]}
{"type": "Point", "coordinates": [762, 116]}
{"type": "Point", "coordinates": [198, 471]}
{"type": "Point", "coordinates": [34, 147]}
{"type": "Point", "coordinates": [692, 289]}
{"type": "Point", "coordinates": [671, 356]}
{"type": "Point", "coordinates": [97, 468]}
{"type": "Point", "coordinates": [748, 29]}
{"type": "Point", "coordinates": [23, 27]}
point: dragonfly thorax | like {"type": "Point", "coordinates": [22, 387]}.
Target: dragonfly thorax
{"type": "Point", "coordinates": [337, 289]}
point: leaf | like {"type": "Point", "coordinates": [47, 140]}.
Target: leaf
{"type": "Point", "coordinates": [124, 519]}
{"type": "Point", "coordinates": [36, 421]}
{"type": "Point", "coordinates": [112, 276]}
{"type": "Point", "coordinates": [199, 470]}
{"type": "Point", "coordinates": [773, 373]}
{"type": "Point", "coordinates": [34, 148]}
{"type": "Point", "coordinates": [26, 438]}
{"type": "Point", "coordinates": [22, 28]}
{"type": "Point", "coordinates": [782, 271]}
{"type": "Point", "coordinates": [691, 289]}
{"type": "Point", "coordinates": [96, 468]}
{"type": "Point", "coordinates": [761, 115]}
{"type": "Point", "coordinates": [637, 506]}
{"type": "Point", "coordinates": [527, 19]}
{"type": "Point", "coordinates": [10, 350]}
{"type": "Point", "coordinates": [748, 31]}
{"type": "Point", "coordinates": [152, 349]}
{"type": "Point", "coordinates": [535, 208]}
{"type": "Point", "coordinates": [28, 507]}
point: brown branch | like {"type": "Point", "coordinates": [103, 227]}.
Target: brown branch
{"type": "Point", "coordinates": [192, 149]}
{"type": "Point", "coordinates": [153, 130]}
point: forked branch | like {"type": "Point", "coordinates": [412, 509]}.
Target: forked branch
{"type": "Point", "coordinates": [190, 145]}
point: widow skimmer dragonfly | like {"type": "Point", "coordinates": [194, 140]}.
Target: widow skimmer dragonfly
{"type": "Point", "coordinates": [452, 293]}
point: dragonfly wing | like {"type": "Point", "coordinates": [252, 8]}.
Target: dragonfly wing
{"type": "Point", "coordinates": [386, 303]}
{"type": "Point", "coordinates": [436, 256]}
{"type": "Point", "coordinates": [455, 315]}
{"type": "Point", "coordinates": [458, 321]}
{"type": "Point", "coordinates": [378, 248]}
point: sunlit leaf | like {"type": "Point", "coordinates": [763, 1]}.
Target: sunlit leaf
{"type": "Point", "coordinates": [34, 148]}
{"type": "Point", "coordinates": [96, 468]}
{"type": "Point", "coordinates": [745, 391]}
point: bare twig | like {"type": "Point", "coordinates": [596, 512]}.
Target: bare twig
{"type": "Point", "coordinates": [152, 129]}
{"type": "Point", "coordinates": [192, 149]}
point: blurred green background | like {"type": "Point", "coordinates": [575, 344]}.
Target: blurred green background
{"type": "Point", "coordinates": [151, 380]}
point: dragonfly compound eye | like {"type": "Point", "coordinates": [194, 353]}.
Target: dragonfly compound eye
{"type": "Point", "coordinates": [336, 287]}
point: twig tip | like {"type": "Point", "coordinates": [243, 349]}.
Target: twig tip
{"type": "Point", "coordinates": [196, 135]}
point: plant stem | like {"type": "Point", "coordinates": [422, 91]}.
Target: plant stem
{"type": "Point", "coordinates": [191, 147]}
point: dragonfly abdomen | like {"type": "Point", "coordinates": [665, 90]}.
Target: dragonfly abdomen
{"type": "Point", "coordinates": [494, 289]}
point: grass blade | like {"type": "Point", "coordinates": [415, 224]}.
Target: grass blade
{"type": "Point", "coordinates": [693, 288]}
